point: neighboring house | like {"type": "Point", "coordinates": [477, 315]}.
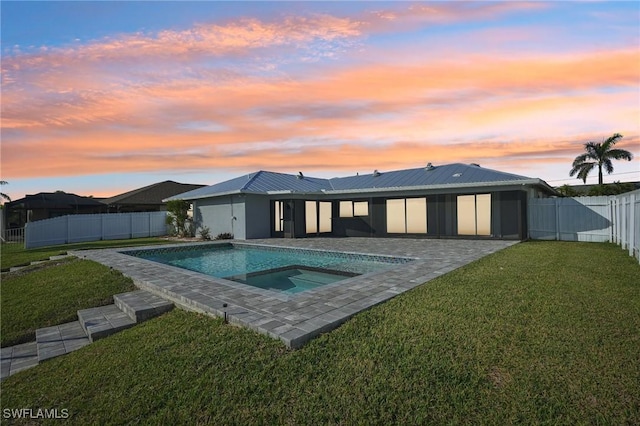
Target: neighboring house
{"type": "Point", "coordinates": [147, 199]}
{"type": "Point", "coordinates": [45, 205]}
{"type": "Point", "coordinates": [454, 200]}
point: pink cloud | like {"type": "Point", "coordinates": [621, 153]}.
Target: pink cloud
{"type": "Point", "coordinates": [106, 107]}
{"type": "Point", "coordinates": [432, 13]}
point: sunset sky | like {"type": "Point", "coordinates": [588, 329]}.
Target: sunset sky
{"type": "Point", "coordinates": [99, 98]}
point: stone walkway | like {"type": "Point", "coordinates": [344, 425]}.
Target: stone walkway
{"type": "Point", "coordinates": [94, 323]}
{"type": "Point", "coordinates": [296, 319]}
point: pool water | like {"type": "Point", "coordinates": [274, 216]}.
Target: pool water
{"type": "Point", "coordinates": [280, 269]}
{"type": "Point", "coordinates": [291, 279]}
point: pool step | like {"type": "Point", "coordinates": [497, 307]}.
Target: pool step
{"type": "Point", "coordinates": [141, 305]}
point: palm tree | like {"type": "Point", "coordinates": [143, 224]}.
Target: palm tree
{"type": "Point", "coordinates": [600, 154]}
{"type": "Point", "coordinates": [2, 194]}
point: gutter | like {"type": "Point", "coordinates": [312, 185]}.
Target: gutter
{"type": "Point", "coordinates": [442, 186]}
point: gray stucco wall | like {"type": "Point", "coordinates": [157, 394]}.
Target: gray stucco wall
{"type": "Point", "coordinates": [258, 216]}
{"type": "Point", "coordinates": [218, 215]}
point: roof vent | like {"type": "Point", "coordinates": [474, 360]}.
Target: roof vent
{"type": "Point", "coordinates": [376, 173]}
{"type": "Point", "coordinates": [475, 164]}
{"type": "Point", "coordinates": [429, 166]}
{"type": "Point", "coordinates": [457, 174]}
{"type": "Point", "coordinates": [300, 175]}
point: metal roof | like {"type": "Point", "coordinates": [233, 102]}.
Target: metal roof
{"type": "Point", "coordinates": [261, 182]}
{"type": "Point", "coordinates": [450, 175]}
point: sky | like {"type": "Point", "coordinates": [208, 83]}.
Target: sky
{"type": "Point", "coordinates": [99, 98]}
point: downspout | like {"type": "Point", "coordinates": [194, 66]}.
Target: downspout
{"type": "Point", "coordinates": [232, 216]}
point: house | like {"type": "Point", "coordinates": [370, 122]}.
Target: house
{"type": "Point", "coordinates": [148, 198]}
{"type": "Point", "coordinates": [447, 201]}
{"type": "Point", "coordinates": [46, 205]}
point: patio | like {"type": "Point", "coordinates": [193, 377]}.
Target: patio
{"type": "Point", "coordinates": [299, 318]}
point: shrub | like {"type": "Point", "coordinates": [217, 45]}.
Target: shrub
{"type": "Point", "coordinates": [611, 189]}
{"type": "Point", "coordinates": [224, 236]}
{"type": "Point", "coordinates": [205, 233]}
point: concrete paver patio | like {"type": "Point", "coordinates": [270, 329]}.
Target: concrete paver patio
{"type": "Point", "coordinates": [295, 319]}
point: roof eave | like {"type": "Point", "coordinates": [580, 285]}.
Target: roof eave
{"type": "Point", "coordinates": [217, 194]}
{"type": "Point", "coordinates": [441, 186]}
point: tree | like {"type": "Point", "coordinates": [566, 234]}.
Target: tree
{"type": "Point", "coordinates": [178, 216]}
{"type": "Point", "coordinates": [2, 194]}
{"type": "Point", "coordinates": [599, 154]}
{"type": "Point", "coordinates": [567, 191]}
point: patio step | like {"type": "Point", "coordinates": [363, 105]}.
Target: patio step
{"type": "Point", "coordinates": [59, 340]}
{"type": "Point", "coordinates": [17, 358]}
{"type": "Point", "coordinates": [93, 324]}
{"type": "Point", "coordinates": [103, 321]}
{"type": "Point", "coordinates": [141, 305]}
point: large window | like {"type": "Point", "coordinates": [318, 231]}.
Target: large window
{"type": "Point", "coordinates": [407, 216]}
{"type": "Point", "coordinates": [317, 216]}
{"type": "Point", "coordinates": [311, 217]}
{"type": "Point", "coordinates": [474, 214]}
{"type": "Point", "coordinates": [354, 208]}
{"type": "Point", "coordinates": [278, 226]}
{"type": "Point", "coordinates": [324, 220]}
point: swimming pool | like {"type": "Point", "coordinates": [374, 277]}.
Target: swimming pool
{"type": "Point", "coordinates": [279, 269]}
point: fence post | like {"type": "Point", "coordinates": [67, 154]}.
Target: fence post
{"type": "Point", "coordinates": [617, 219]}
{"type": "Point", "coordinates": [556, 203]}
{"type": "Point", "coordinates": [632, 200]}
{"type": "Point", "coordinates": [625, 224]}
{"type": "Point", "coordinates": [612, 228]}
{"type": "Point", "coordinates": [68, 229]}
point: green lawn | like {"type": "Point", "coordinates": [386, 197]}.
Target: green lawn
{"type": "Point", "coordinates": [14, 254]}
{"type": "Point", "coordinates": [541, 332]}
{"type": "Point", "coordinates": [52, 295]}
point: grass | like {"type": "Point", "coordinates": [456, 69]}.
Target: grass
{"type": "Point", "coordinates": [14, 254]}
{"type": "Point", "coordinates": [52, 294]}
{"type": "Point", "coordinates": [542, 332]}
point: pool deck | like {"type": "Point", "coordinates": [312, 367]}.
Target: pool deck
{"type": "Point", "coordinates": [296, 319]}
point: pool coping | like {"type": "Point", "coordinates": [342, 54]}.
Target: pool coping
{"type": "Point", "coordinates": [295, 319]}
{"type": "Point", "coordinates": [265, 292]}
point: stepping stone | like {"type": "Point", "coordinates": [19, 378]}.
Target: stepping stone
{"type": "Point", "coordinates": [59, 340]}
{"type": "Point", "coordinates": [141, 305]}
{"type": "Point", "coordinates": [103, 321]}
{"type": "Point", "coordinates": [18, 358]}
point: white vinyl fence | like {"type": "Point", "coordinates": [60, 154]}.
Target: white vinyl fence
{"type": "Point", "coordinates": [612, 218]}
{"type": "Point", "coordinates": [13, 235]}
{"type": "Point", "coordinates": [94, 227]}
